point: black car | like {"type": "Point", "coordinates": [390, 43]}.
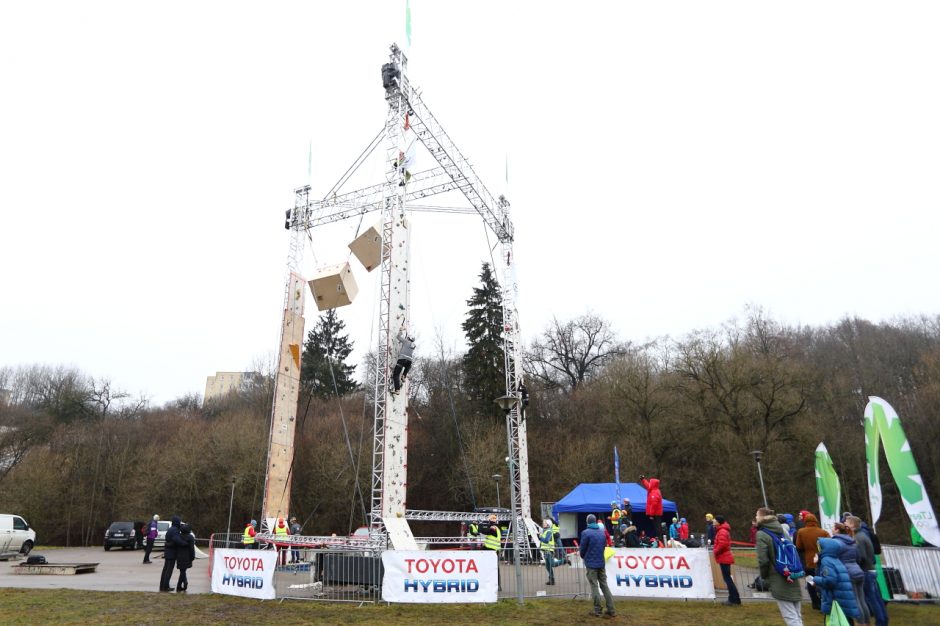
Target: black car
{"type": "Point", "coordinates": [121, 535]}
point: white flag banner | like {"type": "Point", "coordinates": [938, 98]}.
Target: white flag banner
{"type": "Point", "coordinates": [441, 576]}
{"type": "Point", "coordinates": [247, 573]}
{"type": "Point", "coordinates": [665, 573]}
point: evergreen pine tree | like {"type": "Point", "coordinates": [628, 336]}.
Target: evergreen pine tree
{"type": "Point", "coordinates": [325, 345]}
{"type": "Point", "coordinates": [484, 365]}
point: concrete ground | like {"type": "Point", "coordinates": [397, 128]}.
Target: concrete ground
{"type": "Point", "coordinates": [118, 570]}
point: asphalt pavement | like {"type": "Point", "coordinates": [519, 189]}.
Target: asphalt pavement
{"type": "Point", "coordinates": [118, 570]}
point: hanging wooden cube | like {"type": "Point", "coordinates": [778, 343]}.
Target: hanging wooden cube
{"type": "Point", "coordinates": [368, 247]}
{"type": "Point", "coordinates": [333, 286]}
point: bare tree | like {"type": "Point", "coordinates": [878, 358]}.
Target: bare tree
{"type": "Point", "coordinates": [569, 354]}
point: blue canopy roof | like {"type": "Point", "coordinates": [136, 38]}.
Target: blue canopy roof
{"type": "Point", "coordinates": [596, 498]}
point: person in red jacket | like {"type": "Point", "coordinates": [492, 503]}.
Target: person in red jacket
{"type": "Point", "coordinates": [725, 558]}
{"type": "Point", "coordinates": [683, 529]}
{"type": "Point", "coordinates": [654, 501]}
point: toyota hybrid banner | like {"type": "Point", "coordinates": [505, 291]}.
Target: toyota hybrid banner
{"type": "Point", "coordinates": [440, 576]}
{"type": "Point", "coordinates": [665, 573]}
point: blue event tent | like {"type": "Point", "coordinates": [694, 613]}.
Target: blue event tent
{"type": "Point", "coordinates": [596, 498]}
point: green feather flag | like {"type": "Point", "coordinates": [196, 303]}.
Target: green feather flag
{"type": "Point", "coordinates": [408, 21]}
{"type": "Point", "coordinates": [883, 427]}
{"type": "Point", "coordinates": [828, 489]}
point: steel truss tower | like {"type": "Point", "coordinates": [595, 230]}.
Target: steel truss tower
{"type": "Point", "coordinates": [454, 172]}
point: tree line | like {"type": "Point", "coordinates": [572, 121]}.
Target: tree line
{"type": "Point", "coordinates": [75, 454]}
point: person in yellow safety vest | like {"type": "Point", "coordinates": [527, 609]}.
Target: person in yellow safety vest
{"type": "Point", "coordinates": [248, 538]}
{"type": "Point", "coordinates": [547, 544]}
{"type": "Point", "coordinates": [615, 518]}
{"type": "Point", "coordinates": [492, 540]}
{"type": "Point", "coordinates": [556, 535]}
{"type": "Point", "coordinates": [473, 533]}
{"type": "Point", "coordinates": [280, 530]}
{"type": "Point", "coordinates": [280, 533]}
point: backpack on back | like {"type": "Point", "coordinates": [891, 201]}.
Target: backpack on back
{"type": "Point", "coordinates": [786, 559]}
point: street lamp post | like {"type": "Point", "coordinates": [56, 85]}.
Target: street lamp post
{"type": "Point", "coordinates": [228, 529]}
{"type": "Point", "coordinates": [760, 475]}
{"type": "Point", "coordinates": [506, 403]}
{"type": "Point", "coordinates": [496, 477]}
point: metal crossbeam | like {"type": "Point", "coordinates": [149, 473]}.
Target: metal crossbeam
{"type": "Point", "coordinates": [454, 516]}
{"type": "Point", "coordinates": [448, 155]}
{"type": "Point", "coordinates": [368, 199]}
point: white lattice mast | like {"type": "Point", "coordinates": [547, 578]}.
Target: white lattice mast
{"type": "Point", "coordinates": [390, 446]}
{"type": "Point", "coordinates": [287, 377]}
{"type": "Point", "coordinates": [512, 350]}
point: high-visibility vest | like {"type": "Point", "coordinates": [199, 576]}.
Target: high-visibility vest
{"type": "Point", "coordinates": [493, 541]}
{"type": "Point", "coordinates": [615, 517]}
{"type": "Point", "coordinates": [547, 539]}
{"type": "Point", "coordinates": [555, 530]}
{"type": "Point", "coordinates": [473, 530]}
{"type": "Point", "coordinates": [246, 538]}
{"type": "Point", "coordinates": [280, 530]}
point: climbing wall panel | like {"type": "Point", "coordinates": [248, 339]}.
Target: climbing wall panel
{"type": "Point", "coordinates": [333, 286]}
{"type": "Point", "coordinates": [283, 413]}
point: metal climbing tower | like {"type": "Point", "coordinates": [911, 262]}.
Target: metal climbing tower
{"type": "Point", "coordinates": [407, 112]}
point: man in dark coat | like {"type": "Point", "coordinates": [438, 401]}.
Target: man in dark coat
{"type": "Point", "coordinates": [172, 543]}
{"type": "Point", "coordinates": [591, 548]}
{"type": "Point", "coordinates": [185, 556]}
{"type": "Point", "coordinates": [866, 560]}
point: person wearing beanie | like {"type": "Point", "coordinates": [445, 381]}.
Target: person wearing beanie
{"type": "Point", "coordinates": [492, 540]}
{"type": "Point", "coordinates": [683, 529]}
{"type": "Point", "coordinates": [153, 529]}
{"type": "Point", "coordinates": [591, 548]}
{"type": "Point", "coordinates": [709, 529]}
{"type": "Point", "coordinates": [806, 543]}
{"type": "Point", "coordinates": [725, 558]}
{"type": "Point", "coordinates": [787, 594]}
{"type": "Point", "coordinates": [248, 537]}
{"type": "Point", "coordinates": [173, 541]}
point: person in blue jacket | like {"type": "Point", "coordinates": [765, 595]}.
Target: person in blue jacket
{"type": "Point", "coordinates": [832, 580]}
{"type": "Point", "coordinates": [848, 553]}
{"type": "Point", "coordinates": [591, 548]}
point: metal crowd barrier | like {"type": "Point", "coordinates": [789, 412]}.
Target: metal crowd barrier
{"type": "Point", "coordinates": [353, 572]}
{"type": "Point", "coordinates": [919, 567]}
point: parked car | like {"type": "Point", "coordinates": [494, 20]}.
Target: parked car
{"type": "Point", "coordinates": [15, 534]}
{"type": "Point", "coordinates": [121, 535]}
{"type": "Point", "coordinates": [162, 527]}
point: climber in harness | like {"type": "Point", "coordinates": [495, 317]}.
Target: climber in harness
{"type": "Point", "coordinates": [403, 364]}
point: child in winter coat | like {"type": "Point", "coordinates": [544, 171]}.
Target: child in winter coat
{"type": "Point", "coordinates": [832, 580]}
{"type": "Point", "coordinates": [185, 556]}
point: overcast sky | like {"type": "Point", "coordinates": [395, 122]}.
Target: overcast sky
{"type": "Point", "coordinates": [668, 164]}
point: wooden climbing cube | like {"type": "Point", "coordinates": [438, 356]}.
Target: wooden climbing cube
{"type": "Point", "coordinates": [368, 247]}
{"type": "Point", "coordinates": [333, 286]}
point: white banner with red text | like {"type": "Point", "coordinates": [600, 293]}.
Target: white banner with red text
{"type": "Point", "coordinates": [660, 573]}
{"type": "Point", "coordinates": [440, 576]}
{"type": "Point", "coordinates": [246, 573]}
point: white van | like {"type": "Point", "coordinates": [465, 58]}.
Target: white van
{"type": "Point", "coordinates": [15, 535]}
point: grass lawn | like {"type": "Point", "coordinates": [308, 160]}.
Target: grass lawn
{"type": "Point", "coordinates": [745, 558]}
{"type": "Point", "coordinates": [66, 606]}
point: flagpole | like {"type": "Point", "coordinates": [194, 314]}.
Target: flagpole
{"type": "Point", "coordinates": [617, 474]}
